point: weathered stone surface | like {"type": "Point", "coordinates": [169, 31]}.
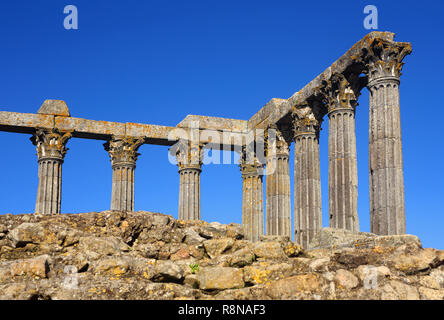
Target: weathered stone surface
{"type": "Point", "coordinates": [54, 107]}
{"type": "Point", "coordinates": [115, 266]}
{"type": "Point", "coordinates": [365, 271]}
{"type": "Point", "coordinates": [264, 272]}
{"type": "Point", "coordinates": [269, 250]}
{"type": "Point", "coordinates": [319, 265]}
{"type": "Point", "coordinates": [235, 231]}
{"type": "Point", "coordinates": [293, 287]}
{"type": "Point", "coordinates": [191, 280]}
{"type": "Point", "coordinates": [168, 271]}
{"type": "Point", "coordinates": [217, 278]}
{"type": "Point", "coordinates": [431, 294]}
{"type": "Point", "coordinates": [26, 233]}
{"type": "Point", "coordinates": [274, 238]}
{"type": "Point", "coordinates": [293, 249]}
{"type": "Point", "coordinates": [252, 196]}
{"type": "Point", "coordinates": [116, 255]}
{"type": "Point", "coordinates": [193, 237]}
{"type": "Point", "coordinates": [213, 230]}
{"type": "Point", "coordinates": [180, 254]}
{"type": "Point", "coordinates": [341, 238]}
{"type": "Point", "coordinates": [216, 247]}
{"type": "Point", "coordinates": [102, 246]}
{"type": "Point", "coordinates": [35, 267]}
{"type": "Point", "coordinates": [397, 240]}
{"type": "Point", "coordinates": [148, 250]}
{"type": "Point", "coordinates": [337, 238]}
{"type": "Point", "coordinates": [242, 257]}
{"type": "Point", "coordinates": [411, 264]}
{"type": "Point", "coordinates": [346, 279]}
{"type": "Point", "coordinates": [214, 123]}
{"type": "Point", "coordinates": [397, 290]}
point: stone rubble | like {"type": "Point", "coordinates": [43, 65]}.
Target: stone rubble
{"type": "Point", "coordinates": [143, 255]}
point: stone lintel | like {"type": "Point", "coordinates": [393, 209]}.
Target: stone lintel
{"type": "Point", "coordinates": [214, 123]}
{"type": "Point", "coordinates": [154, 134]}
{"type": "Point", "coordinates": [24, 122]}
{"type": "Point", "coordinates": [90, 129]}
{"type": "Point", "coordinates": [104, 130]}
{"type": "Point", "coordinates": [275, 105]}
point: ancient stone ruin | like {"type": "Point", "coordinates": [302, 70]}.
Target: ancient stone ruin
{"type": "Point", "coordinates": [374, 62]}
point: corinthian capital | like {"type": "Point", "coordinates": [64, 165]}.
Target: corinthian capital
{"type": "Point", "coordinates": [50, 144]}
{"type": "Point", "coordinates": [249, 163]}
{"type": "Point", "coordinates": [188, 154]}
{"type": "Point", "coordinates": [123, 150]}
{"type": "Point", "coordinates": [278, 140]}
{"type": "Point", "coordinates": [305, 120]}
{"type": "Point", "coordinates": [384, 59]}
{"type": "Point", "coordinates": [340, 92]}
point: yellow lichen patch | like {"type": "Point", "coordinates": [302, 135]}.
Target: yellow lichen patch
{"type": "Point", "coordinates": [118, 271]}
{"type": "Point", "coordinates": [93, 290]}
{"type": "Point", "coordinates": [378, 250]}
{"type": "Point", "coordinates": [260, 275]}
{"type": "Point", "coordinates": [51, 237]}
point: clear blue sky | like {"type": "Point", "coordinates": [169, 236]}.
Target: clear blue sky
{"type": "Point", "coordinates": [157, 61]}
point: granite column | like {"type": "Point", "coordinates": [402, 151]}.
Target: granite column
{"type": "Point", "coordinates": [387, 204]}
{"type": "Point", "coordinates": [307, 176]}
{"type": "Point", "coordinates": [278, 192]}
{"type": "Point", "coordinates": [252, 195]}
{"type": "Point", "coordinates": [51, 150]}
{"type": "Point", "coordinates": [123, 154]}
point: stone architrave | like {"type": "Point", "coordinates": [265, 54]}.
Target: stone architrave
{"type": "Point", "coordinates": [387, 203]}
{"type": "Point", "coordinates": [123, 155]}
{"type": "Point", "coordinates": [252, 195]}
{"type": "Point", "coordinates": [51, 150]}
{"type": "Point", "coordinates": [189, 158]}
{"type": "Point", "coordinates": [307, 176]}
{"type": "Point", "coordinates": [278, 192]}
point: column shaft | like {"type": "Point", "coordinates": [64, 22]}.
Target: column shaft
{"type": "Point", "coordinates": [387, 208]}
{"type": "Point", "coordinates": [252, 206]}
{"type": "Point", "coordinates": [189, 194]}
{"type": "Point", "coordinates": [384, 63]}
{"type": "Point", "coordinates": [123, 155]}
{"type": "Point", "coordinates": [278, 194]}
{"type": "Point", "coordinates": [51, 150]}
{"type": "Point", "coordinates": [343, 173]}
{"type": "Point", "coordinates": [307, 175]}
{"type": "Point", "coordinates": [189, 156]}
{"type": "Point", "coordinates": [50, 186]}
{"type": "Point", "coordinates": [122, 198]}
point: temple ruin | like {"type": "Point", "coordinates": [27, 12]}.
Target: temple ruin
{"type": "Point", "coordinates": [374, 62]}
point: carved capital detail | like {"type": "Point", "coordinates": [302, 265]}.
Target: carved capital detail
{"type": "Point", "coordinates": [384, 60]}
{"type": "Point", "coordinates": [123, 150]}
{"type": "Point", "coordinates": [51, 144]}
{"type": "Point", "coordinates": [278, 140]}
{"type": "Point", "coordinates": [249, 164]}
{"type": "Point", "coordinates": [305, 121]}
{"type": "Point", "coordinates": [189, 155]}
{"type": "Point", "coordinates": [341, 93]}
